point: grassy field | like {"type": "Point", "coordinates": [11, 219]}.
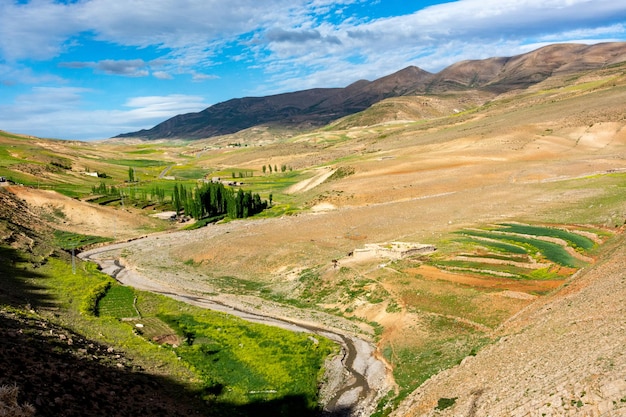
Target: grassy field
{"type": "Point", "coordinates": [69, 241]}
{"type": "Point", "coordinates": [553, 252]}
{"type": "Point", "coordinates": [449, 343]}
{"type": "Point", "coordinates": [118, 302]}
{"type": "Point", "coordinates": [238, 362]}
{"type": "Point", "coordinates": [235, 364]}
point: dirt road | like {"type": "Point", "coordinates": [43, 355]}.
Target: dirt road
{"type": "Point", "coordinates": [354, 381]}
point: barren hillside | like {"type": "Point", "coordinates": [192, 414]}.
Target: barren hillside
{"type": "Point", "coordinates": [563, 356]}
{"type": "Point", "coordinates": [549, 158]}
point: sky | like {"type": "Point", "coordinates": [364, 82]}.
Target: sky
{"type": "Point", "coordinates": [92, 69]}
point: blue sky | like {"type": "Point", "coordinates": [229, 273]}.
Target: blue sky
{"type": "Point", "coordinates": [91, 69]}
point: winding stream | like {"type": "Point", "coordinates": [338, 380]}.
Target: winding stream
{"type": "Point", "coordinates": [363, 380]}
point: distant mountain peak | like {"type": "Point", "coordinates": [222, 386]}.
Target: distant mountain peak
{"type": "Point", "coordinates": [319, 106]}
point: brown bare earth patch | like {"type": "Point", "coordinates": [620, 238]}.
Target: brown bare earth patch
{"type": "Point", "coordinates": [553, 361]}
{"type": "Point", "coordinates": [170, 339]}
{"type": "Point", "coordinates": [496, 283]}
{"type": "Point", "coordinates": [90, 219]}
{"type": "Point", "coordinates": [553, 157]}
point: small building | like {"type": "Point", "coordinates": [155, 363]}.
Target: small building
{"type": "Point", "coordinates": [393, 250]}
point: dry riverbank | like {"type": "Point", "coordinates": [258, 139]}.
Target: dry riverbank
{"type": "Point", "coordinates": [355, 380]}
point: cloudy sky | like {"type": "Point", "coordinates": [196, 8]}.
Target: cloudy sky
{"type": "Point", "coordinates": [91, 69]}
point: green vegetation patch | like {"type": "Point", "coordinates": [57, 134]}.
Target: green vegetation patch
{"type": "Point", "coordinates": [119, 302]}
{"type": "Point", "coordinates": [136, 163]}
{"type": "Point", "coordinates": [240, 367]}
{"type": "Point", "coordinates": [145, 151]}
{"type": "Point", "coordinates": [452, 300]}
{"type": "Point", "coordinates": [496, 246]}
{"type": "Point", "coordinates": [186, 172]}
{"type": "Point", "coordinates": [68, 240]}
{"type": "Point", "coordinates": [444, 403]}
{"type": "Point", "coordinates": [450, 343]}
{"type": "Point", "coordinates": [549, 250]}
{"type": "Point", "coordinates": [573, 239]}
{"type": "Point", "coordinates": [484, 268]}
{"type": "Point", "coordinates": [341, 172]}
{"type": "Point", "coordinates": [6, 159]}
{"type": "Point", "coordinates": [241, 361]}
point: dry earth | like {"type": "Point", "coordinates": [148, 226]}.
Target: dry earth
{"type": "Point", "coordinates": [76, 216]}
{"type": "Point", "coordinates": [418, 183]}
{"type": "Point", "coordinates": [562, 356]}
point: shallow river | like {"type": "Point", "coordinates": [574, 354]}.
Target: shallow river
{"type": "Point", "coordinates": [355, 390]}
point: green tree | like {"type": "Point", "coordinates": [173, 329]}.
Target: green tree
{"type": "Point", "coordinates": [131, 174]}
{"type": "Point", "coordinates": [176, 201]}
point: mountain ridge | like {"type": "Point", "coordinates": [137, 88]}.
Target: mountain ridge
{"type": "Point", "coordinates": [319, 106]}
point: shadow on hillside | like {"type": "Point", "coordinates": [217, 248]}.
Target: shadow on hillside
{"type": "Point", "coordinates": [17, 283]}
{"type": "Point", "coordinates": [62, 374]}
{"type": "Point", "coordinates": [285, 407]}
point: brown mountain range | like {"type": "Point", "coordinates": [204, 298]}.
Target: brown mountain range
{"type": "Point", "coordinates": [320, 106]}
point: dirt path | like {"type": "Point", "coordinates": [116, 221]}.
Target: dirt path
{"type": "Point", "coordinates": [165, 171]}
{"type": "Point", "coordinates": [353, 390]}
{"type": "Point", "coordinates": [310, 183]}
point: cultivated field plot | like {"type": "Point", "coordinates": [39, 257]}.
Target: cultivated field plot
{"type": "Point", "coordinates": [119, 302]}
{"type": "Point", "coordinates": [523, 251]}
{"type": "Point", "coordinates": [437, 309]}
{"type": "Point", "coordinates": [238, 362]}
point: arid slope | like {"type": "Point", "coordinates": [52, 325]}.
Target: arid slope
{"type": "Point", "coordinates": [553, 154]}
{"type": "Point", "coordinates": [563, 356]}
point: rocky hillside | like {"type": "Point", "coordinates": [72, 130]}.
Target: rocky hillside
{"type": "Point", "coordinates": [61, 373]}
{"type": "Point", "coordinates": [20, 228]}
{"type": "Point", "coordinates": [54, 370]}
{"type": "Point", "coordinates": [320, 106]}
{"type": "Point", "coordinates": [563, 356]}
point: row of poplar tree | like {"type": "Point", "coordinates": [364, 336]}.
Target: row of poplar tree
{"type": "Point", "coordinates": [213, 199]}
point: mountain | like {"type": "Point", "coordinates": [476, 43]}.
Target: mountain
{"type": "Point", "coordinates": [320, 106]}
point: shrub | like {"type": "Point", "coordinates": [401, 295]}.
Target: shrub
{"type": "Point", "coordinates": [444, 403]}
{"type": "Point", "coordinates": [90, 303]}
{"type": "Point", "coordinates": [9, 405]}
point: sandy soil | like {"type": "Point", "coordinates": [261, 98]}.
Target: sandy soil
{"type": "Point", "coordinates": [305, 185]}
{"type": "Point", "coordinates": [90, 219]}
{"type": "Point", "coordinates": [563, 356]}
{"type": "Point", "coordinates": [355, 380]}
{"type": "Point", "coordinates": [415, 184]}
{"type": "Point", "coordinates": [527, 286]}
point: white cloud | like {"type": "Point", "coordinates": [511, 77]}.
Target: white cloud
{"type": "Point", "coordinates": [201, 77]}
{"type": "Point", "coordinates": [195, 30]}
{"type": "Point", "coordinates": [59, 113]}
{"type": "Point", "coordinates": [36, 30]}
{"type": "Point", "coordinates": [297, 44]}
{"type": "Point", "coordinates": [438, 36]}
{"type": "Point", "coordinates": [162, 75]}
{"type": "Point", "coordinates": [19, 74]}
{"type": "Point", "coordinates": [162, 107]}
